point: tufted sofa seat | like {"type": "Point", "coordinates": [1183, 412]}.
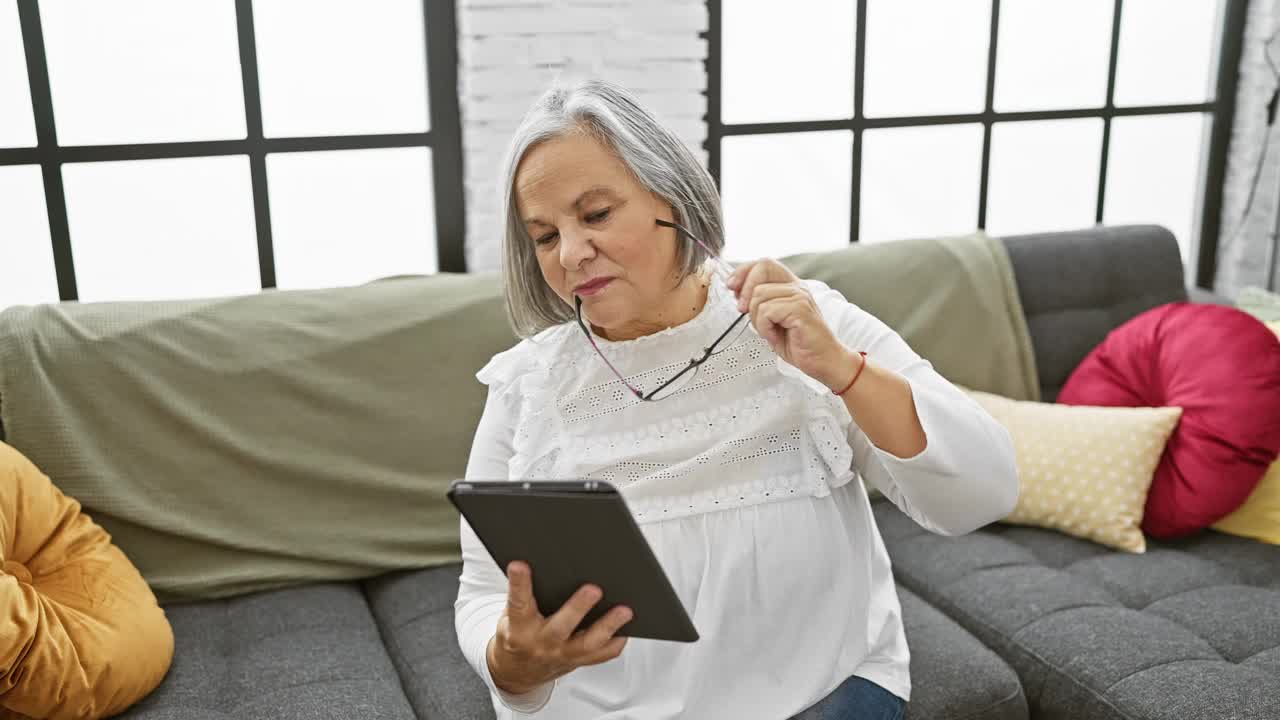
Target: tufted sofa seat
{"type": "Point", "coordinates": [1189, 629]}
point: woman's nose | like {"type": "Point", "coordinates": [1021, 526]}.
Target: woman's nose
{"type": "Point", "coordinates": [575, 249]}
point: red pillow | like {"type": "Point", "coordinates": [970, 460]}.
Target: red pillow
{"type": "Point", "coordinates": [1222, 367]}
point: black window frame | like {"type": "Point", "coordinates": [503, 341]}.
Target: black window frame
{"type": "Point", "coordinates": [444, 138]}
{"type": "Point", "coordinates": [1221, 109]}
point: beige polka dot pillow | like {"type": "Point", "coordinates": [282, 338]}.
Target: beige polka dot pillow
{"type": "Point", "coordinates": [1084, 471]}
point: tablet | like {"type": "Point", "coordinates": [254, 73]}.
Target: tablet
{"type": "Point", "coordinates": [572, 533]}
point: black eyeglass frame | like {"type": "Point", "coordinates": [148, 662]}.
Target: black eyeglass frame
{"type": "Point", "coordinates": [694, 363]}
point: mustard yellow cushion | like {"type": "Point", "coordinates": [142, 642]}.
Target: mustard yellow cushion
{"type": "Point", "coordinates": [1259, 516]}
{"type": "Point", "coordinates": [1084, 471]}
{"type": "Point", "coordinates": [81, 634]}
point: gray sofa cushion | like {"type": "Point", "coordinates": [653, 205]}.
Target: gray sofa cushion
{"type": "Point", "coordinates": [1075, 287]}
{"type": "Point", "coordinates": [414, 612]}
{"type": "Point", "coordinates": [954, 676]}
{"type": "Point", "coordinates": [312, 652]}
{"type": "Point", "coordinates": [1189, 630]}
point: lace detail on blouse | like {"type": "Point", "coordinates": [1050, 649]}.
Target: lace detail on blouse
{"type": "Point", "coordinates": [747, 429]}
{"type": "Point", "coordinates": [611, 396]}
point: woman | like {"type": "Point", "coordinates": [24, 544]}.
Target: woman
{"type": "Point", "coordinates": [740, 466]}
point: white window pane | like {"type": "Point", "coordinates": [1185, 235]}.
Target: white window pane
{"type": "Point", "coordinates": [347, 217]}
{"type": "Point", "coordinates": [162, 229]}
{"type": "Point", "coordinates": [1043, 175]}
{"type": "Point", "coordinates": [1154, 171]}
{"type": "Point", "coordinates": [140, 71]}
{"type": "Point", "coordinates": [341, 68]}
{"type": "Point", "coordinates": [926, 57]}
{"type": "Point", "coordinates": [1053, 55]}
{"type": "Point", "coordinates": [806, 73]}
{"type": "Point", "coordinates": [17, 124]}
{"type": "Point", "coordinates": [920, 181]}
{"type": "Point", "coordinates": [27, 253]}
{"type": "Point", "coordinates": [786, 193]}
{"type": "Point", "coordinates": [1167, 51]}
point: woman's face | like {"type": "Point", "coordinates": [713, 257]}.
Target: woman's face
{"type": "Point", "coordinates": [594, 235]}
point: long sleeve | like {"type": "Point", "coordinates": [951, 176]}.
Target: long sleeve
{"type": "Point", "coordinates": [966, 476]}
{"type": "Point", "coordinates": [482, 587]}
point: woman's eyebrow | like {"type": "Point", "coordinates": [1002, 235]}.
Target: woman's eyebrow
{"type": "Point", "coordinates": [577, 204]}
{"type": "Point", "coordinates": [592, 192]}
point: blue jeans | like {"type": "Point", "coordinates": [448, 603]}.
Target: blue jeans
{"type": "Point", "coordinates": [856, 699]}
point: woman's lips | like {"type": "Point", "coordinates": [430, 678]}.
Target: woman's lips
{"type": "Point", "coordinates": [592, 287]}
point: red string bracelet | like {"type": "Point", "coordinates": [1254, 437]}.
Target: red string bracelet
{"type": "Point", "coordinates": [861, 365]}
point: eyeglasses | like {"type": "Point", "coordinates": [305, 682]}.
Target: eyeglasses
{"type": "Point", "coordinates": [684, 378]}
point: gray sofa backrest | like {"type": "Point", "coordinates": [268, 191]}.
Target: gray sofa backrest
{"type": "Point", "coordinates": [1077, 286]}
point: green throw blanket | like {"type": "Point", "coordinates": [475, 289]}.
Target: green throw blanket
{"type": "Point", "coordinates": [249, 443]}
{"type": "Point", "coordinates": [954, 300]}
{"type": "Point", "coordinates": [243, 444]}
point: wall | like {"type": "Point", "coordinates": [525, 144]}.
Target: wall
{"type": "Point", "coordinates": [509, 51]}
{"type": "Point", "coordinates": [1245, 244]}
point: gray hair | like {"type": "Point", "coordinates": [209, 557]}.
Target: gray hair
{"type": "Point", "coordinates": [654, 155]}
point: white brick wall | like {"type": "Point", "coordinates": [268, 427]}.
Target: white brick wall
{"type": "Point", "coordinates": [1243, 247]}
{"type": "Point", "coordinates": [509, 51]}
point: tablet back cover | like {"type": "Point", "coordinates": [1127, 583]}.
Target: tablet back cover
{"type": "Point", "coordinates": [573, 538]}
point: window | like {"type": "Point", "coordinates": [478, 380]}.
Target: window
{"type": "Point", "coordinates": [887, 119]}
{"type": "Point", "coordinates": [277, 145]}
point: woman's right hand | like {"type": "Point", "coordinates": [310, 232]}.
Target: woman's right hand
{"type": "Point", "coordinates": [529, 649]}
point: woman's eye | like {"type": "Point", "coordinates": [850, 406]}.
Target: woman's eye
{"type": "Point", "coordinates": [546, 238]}
{"type": "Point", "coordinates": [598, 216]}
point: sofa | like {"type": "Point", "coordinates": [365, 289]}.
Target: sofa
{"type": "Point", "coordinates": [1006, 622]}
{"type": "Point", "coordinates": [1189, 629]}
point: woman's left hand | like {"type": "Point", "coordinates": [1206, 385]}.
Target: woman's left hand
{"type": "Point", "coordinates": [787, 317]}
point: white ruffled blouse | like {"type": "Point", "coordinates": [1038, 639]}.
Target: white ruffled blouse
{"type": "Point", "coordinates": [742, 484]}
